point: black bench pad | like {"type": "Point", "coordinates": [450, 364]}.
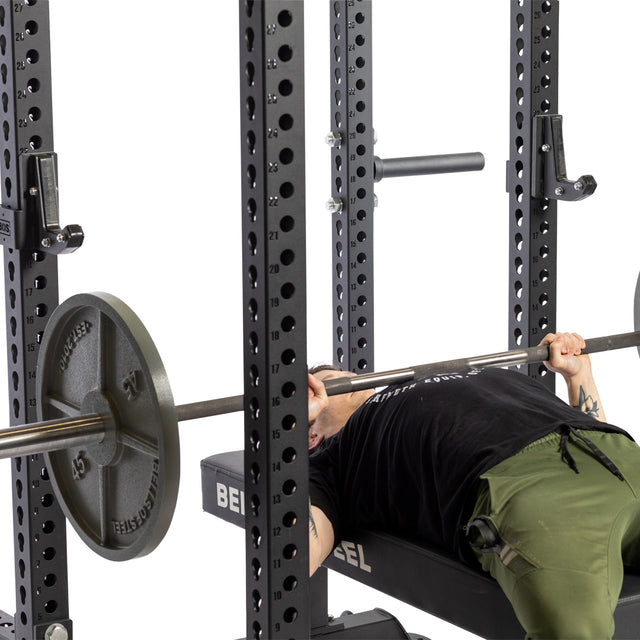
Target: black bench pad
{"type": "Point", "coordinates": [424, 577]}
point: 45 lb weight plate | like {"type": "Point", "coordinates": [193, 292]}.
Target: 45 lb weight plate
{"type": "Point", "coordinates": [97, 358]}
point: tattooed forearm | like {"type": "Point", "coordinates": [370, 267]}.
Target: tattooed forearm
{"type": "Point", "coordinates": [586, 404]}
{"type": "Point", "coordinates": [312, 524]}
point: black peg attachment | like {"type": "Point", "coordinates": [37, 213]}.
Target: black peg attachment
{"type": "Point", "coordinates": [427, 165]}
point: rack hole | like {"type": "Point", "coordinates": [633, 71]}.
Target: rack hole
{"type": "Point", "coordinates": [285, 18]}
{"type": "Point", "coordinates": [288, 324]}
{"type": "Point", "coordinates": [250, 73]}
{"type": "Point", "coordinates": [285, 121]}
{"type": "Point", "coordinates": [289, 455]}
{"type": "Point", "coordinates": [249, 38]}
{"type": "Point", "coordinates": [285, 88]}
{"type": "Point", "coordinates": [288, 390]}
{"type": "Point", "coordinates": [49, 553]}
{"type": "Point", "coordinates": [289, 519]}
{"type": "Point", "coordinates": [31, 27]}
{"type": "Point", "coordinates": [285, 53]}
{"type": "Point", "coordinates": [287, 189]}
{"type": "Point", "coordinates": [286, 156]}
{"type": "Point", "coordinates": [287, 224]}
{"type": "Point", "coordinates": [49, 580]}
{"type": "Point", "coordinates": [287, 290]}
{"type": "Point", "coordinates": [50, 606]}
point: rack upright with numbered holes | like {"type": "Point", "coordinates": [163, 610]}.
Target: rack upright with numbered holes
{"type": "Point", "coordinates": [32, 237]}
{"type": "Point", "coordinates": [274, 309]}
{"type": "Point", "coordinates": [536, 176]}
{"type": "Point", "coordinates": [354, 170]}
{"type": "Point", "coordinates": [352, 201]}
{"type": "Point", "coordinates": [532, 220]}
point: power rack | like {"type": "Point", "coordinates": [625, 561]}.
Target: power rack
{"type": "Point", "coordinates": [274, 462]}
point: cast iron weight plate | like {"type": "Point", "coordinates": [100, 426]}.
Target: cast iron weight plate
{"type": "Point", "coordinates": [97, 357]}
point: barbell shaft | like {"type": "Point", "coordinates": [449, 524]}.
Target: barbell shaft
{"type": "Point", "coordinates": [528, 355]}
{"type": "Point", "coordinates": [52, 435]}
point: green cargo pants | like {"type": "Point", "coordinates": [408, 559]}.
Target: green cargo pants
{"type": "Point", "coordinates": [564, 537]}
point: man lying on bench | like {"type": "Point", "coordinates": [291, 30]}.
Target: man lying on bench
{"type": "Point", "coordinates": [492, 466]}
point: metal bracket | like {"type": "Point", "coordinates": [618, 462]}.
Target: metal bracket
{"type": "Point", "coordinates": [42, 192]}
{"type": "Point", "coordinates": [13, 231]}
{"type": "Point", "coordinates": [549, 170]}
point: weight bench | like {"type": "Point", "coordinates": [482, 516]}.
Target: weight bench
{"type": "Point", "coordinates": [467, 598]}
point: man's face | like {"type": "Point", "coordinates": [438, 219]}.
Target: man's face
{"type": "Point", "coordinates": [343, 405]}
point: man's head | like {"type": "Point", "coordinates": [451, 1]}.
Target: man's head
{"type": "Point", "coordinates": [340, 408]}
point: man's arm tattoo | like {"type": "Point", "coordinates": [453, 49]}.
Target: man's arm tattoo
{"type": "Point", "coordinates": [312, 524]}
{"type": "Point", "coordinates": [586, 404]}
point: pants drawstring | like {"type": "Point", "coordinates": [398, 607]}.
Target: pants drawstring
{"type": "Point", "coordinates": [599, 455]}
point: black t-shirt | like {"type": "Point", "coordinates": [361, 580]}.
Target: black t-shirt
{"type": "Point", "coordinates": [408, 460]}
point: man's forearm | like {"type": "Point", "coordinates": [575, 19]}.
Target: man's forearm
{"type": "Point", "coordinates": [583, 395]}
{"type": "Point", "coordinates": [314, 544]}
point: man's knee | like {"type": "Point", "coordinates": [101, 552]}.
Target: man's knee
{"type": "Point", "coordinates": [564, 605]}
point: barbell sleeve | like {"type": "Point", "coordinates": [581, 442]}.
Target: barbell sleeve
{"type": "Point", "coordinates": [426, 165]}
{"type": "Point", "coordinates": [51, 435]}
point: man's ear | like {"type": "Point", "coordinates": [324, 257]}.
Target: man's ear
{"type": "Point", "coordinates": [314, 440]}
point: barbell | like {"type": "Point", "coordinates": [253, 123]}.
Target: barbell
{"type": "Point", "coordinates": [107, 423]}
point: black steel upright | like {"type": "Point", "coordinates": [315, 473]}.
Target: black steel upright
{"type": "Point", "coordinates": [31, 292]}
{"type": "Point", "coordinates": [352, 179]}
{"type": "Point", "coordinates": [274, 308]}
{"type": "Point", "coordinates": [532, 221]}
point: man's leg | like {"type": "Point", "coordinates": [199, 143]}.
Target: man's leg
{"type": "Point", "coordinates": [560, 534]}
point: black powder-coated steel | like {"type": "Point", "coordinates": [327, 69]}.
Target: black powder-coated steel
{"type": "Point", "coordinates": [352, 183]}
{"type": "Point", "coordinates": [274, 313]}
{"type": "Point", "coordinates": [427, 165]}
{"type": "Point", "coordinates": [31, 294]}
{"type": "Point", "coordinates": [532, 221]}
